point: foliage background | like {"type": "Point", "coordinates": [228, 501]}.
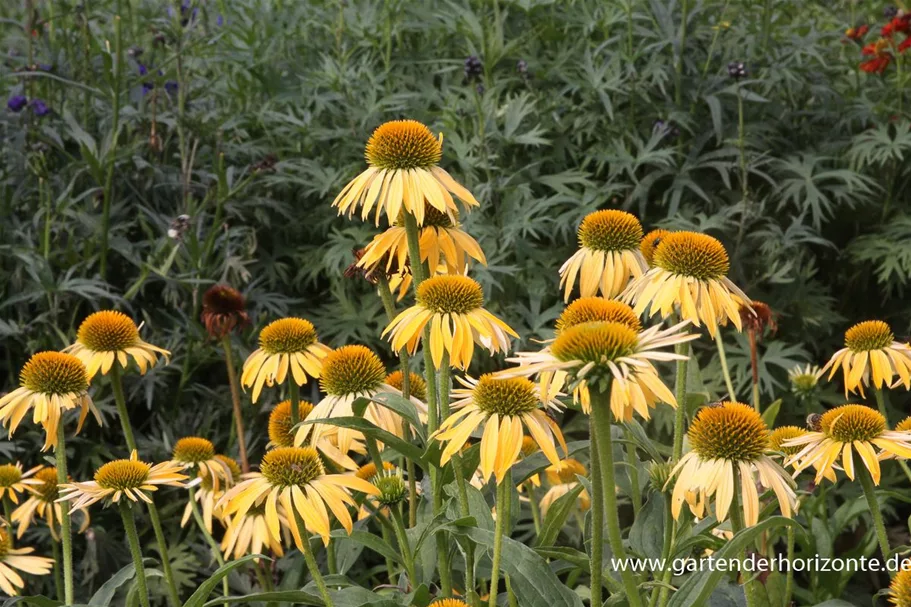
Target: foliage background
{"type": "Point", "coordinates": [252, 114]}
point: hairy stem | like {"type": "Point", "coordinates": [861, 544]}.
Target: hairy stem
{"type": "Point", "coordinates": [502, 514]}
{"type": "Point", "coordinates": [235, 402]}
{"type": "Point", "coordinates": [722, 356]}
{"type": "Point", "coordinates": [173, 595]}
{"type": "Point", "coordinates": [66, 530]}
{"type": "Point", "coordinates": [129, 525]}
{"type": "Point", "coordinates": [866, 481]}
{"type": "Point", "coordinates": [311, 560]}
{"type": "Point", "coordinates": [680, 395]}
{"type": "Point", "coordinates": [597, 518]}
{"type": "Point", "coordinates": [120, 400]}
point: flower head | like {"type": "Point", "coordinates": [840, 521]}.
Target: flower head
{"type": "Point", "coordinates": [50, 384]}
{"type": "Point", "coordinates": [649, 242]}
{"type": "Point", "coordinates": [804, 379]}
{"type": "Point", "coordinates": [210, 491]}
{"type": "Point", "coordinates": [42, 502]}
{"type": "Point", "coordinates": [900, 588]}
{"type": "Point", "coordinates": [416, 384]}
{"type": "Point", "coordinates": [287, 343]}
{"type": "Point", "coordinates": [17, 559]}
{"type": "Point", "coordinates": [403, 174]}
{"type": "Point", "coordinates": [871, 355]}
{"type": "Point", "coordinates": [223, 310]}
{"type": "Point", "coordinates": [281, 430]}
{"type": "Point", "coordinates": [563, 478]}
{"type": "Point", "coordinates": [14, 481]}
{"type": "Point", "coordinates": [729, 442]}
{"type": "Point", "coordinates": [391, 486]}
{"type": "Point", "coordinates": [109, 336]}
{"type": "Point", "coordinates": [198, 454]}
{"type": "Point", "coordinates": [597, 309]}
{"type": "Point", "coordinates": [689, 275]}
{"type": "Point", "coordinates": [452, 305]}
{"type": "Point", "coordinates": [17, 103]}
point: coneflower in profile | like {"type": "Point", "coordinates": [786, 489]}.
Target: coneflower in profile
{"type": "Point", "coordinates": [13, 560]}
{"type": "Point", "coordinates": [110, 336]}
{"type": "Point", "coordinates": [871, 355]}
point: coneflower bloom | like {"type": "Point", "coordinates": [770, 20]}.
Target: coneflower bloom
{"type": "Point", "coordinates": [871, 355]}
{"type": "Point", "coordinates": [123, 478]}
{"type": "Point", "coordinates": [453, 307]}
{"type": "Point", "coordinates": [248, 534]}
{"type": "Point", "coordinates": [368, 472]}
{"type": "Point", "coordinates": [108, 336]}
{"type": "Point", "coordinates": [900, 588]}
{"type": "Point", "coordinates": [50, 383]}
{"type": "Point", "coordinates": [648, 244]}
{"type": "Point", "coordinates": [506, 409]}
{"type": "Point", "coordinates": [208, 495]}
{"type": "Point", "coordinates": [562, 479]}
{"type": "Point", "coordinates": [594, 352]}
{"type": "Point", "coordinates": [608, 255]}
{"type": "Point", "coordinates": [804, 379]}
{"type": "Point", "coordinates": [779, 436]}
{"type": "Point", "coordinates": [416, 384]}
{"type": "Point", "coordinates": [295, 479]}
{"type": "Point", "coordinates": [13, 560]}
{"type": "Point", "coordinates": [198, 455]}
{"type": "Point", "coordinates": [14, 481]}
{"type": "Point", "coordinates": [689, 276]}
{"type": "Point", "coordinates": [43, 503]}
{"type": "Point", "coordinates": [223, 309]}
{"type": "Point", "coordinates": [403, 175]}
{"type": "Point", "coordinates": [282, 434]}
{"type": "Point", "coordinates": [597, 309]}
{"type": "Point", "coordinates": [349, 373]}
{"type": "Point", "coordinates": [729, 441]}
{"type": "Point", "coordinates": [442, 241]}
{"type": "Point", "coordinates": [841, 432]}
{"type": "Point", "coordinates": [285, 344]}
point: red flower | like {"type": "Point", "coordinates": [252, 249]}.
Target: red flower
{"type": "Point", "coordinates": [857, 33]}
{"type": "Point", "coordinates": [905, 45]}
{"type": "Point", "coordinates": [877, 65]}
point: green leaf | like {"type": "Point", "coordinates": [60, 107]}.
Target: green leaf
{"type": "Point", "coordinates": [404, 408]}
{"type": "Point", "coordinates": [478, 507]}
{"type": "Point", "coordinates": [771, 412]}
{"type": "Point", "coordinates": [199, 597]}
{"type": "Point", "coordinates": [533, 581]}
{"type": "Point", "coordinates": [290, 596]}
{"type": "Point", "coordinates": [570, 555]}
{"type": "Point", "coordinates": [368, 540]}
{"type": "Point", "coordinates": [698, 588]}
{"type": "Point", "coordinates": [637, 433]}
{"type": "Point", "coordinates": [530, 466]}
{"type": "Point", "coordinates": [556, 516]}
{"type": "Point", "coordinates": [367, 428]}
{"type": "Point", "coordinates": [34, 601]}
{"type": "Point", "coordinates": [835, 603]}
{"type": "Point", "coordinates": [442, 523]}
{"type": "Point", "coordinates": [103, 597]}
{"type": "Point", "coordinates": [646, 536]}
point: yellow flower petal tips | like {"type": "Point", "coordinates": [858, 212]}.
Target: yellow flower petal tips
{"type": "Point", "coordinates": [871, 356]}
{"type": "Point", "coordinates": [108, 336]}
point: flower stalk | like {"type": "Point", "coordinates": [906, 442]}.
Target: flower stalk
{"type": "Point", "coordinates": [173, 595]}
{"type": "Point", "coordinates": [122, 413]}
{"type": "Point", "coordinates": [866, 481]}
{"type": "Point", "coordinates": [725, 370]}
{"type": "Point", "coordinates": [311, 560]}
{"type": "Point", "coordinates": [680, 395]}
{"type": "Point", "coordinates": [129, 525]}
{"type": "Point", "coordinates": [503, 506]}
{"type": "Point", "coordinates": [66, 530]}
{"type": "Point", "coordinates": [235, 402]}
{"type": "Point", "coordinates": [597, 517]}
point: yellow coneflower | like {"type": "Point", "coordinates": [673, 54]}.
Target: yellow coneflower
{"type": "Point", "coordinates": [13, 560]}
{"type": "Point", "coordinates": [123, 478]}
{"type": "Point", "coordinates": [597, 309]}
{"type": "Point", "coordinates": [349, 373]}
{"type": "Point", "coordinates": [608, 255]}
{"type": "Point", "coordinates": [442, 242]}
{"type": "Point", "coordinates": [43, 502]}
{"type": "Point", "coordinates": [779, 436]}
{"type": "Point", "coordinates": [416, 384]}
{"type": "Point", "coordinates": [207, 494]}
{"type": "Point", "coordinates": [594, 352]}
{"type": "Point", "coordinates": [283, 434]}
{"type": "Point", "coordinates": [108, 336]}
{"type": "Point", "coordinates": [368, 472]}
{"type": "Point", "coordinates": [14, 481]}
{"type": "Point", "coordinates": [223, 309]}
{"type": "Point", "coordinates": [529, 448]}
{"type": "Point", "coordinates": [506, 408]}
{"type": "Point", "coordinates": [562, 480]}
{"type": "Point", "coordinates": [904, 425]}
{"type": "Point", "coordinates": [248, 534]}
{"type": "Point", "coordinates": [871, 353]}
{"type": "Point", "coordinates": [900, 588]}
{"type": "Point", "coordinates": [841, 432]}
{"type": "Point", "coordinates": [648, 244]}
{"type": "Point", "coordinates": [49, 384]}
{"type": "Point", "coordinates": [729, 441]}
{"type": "Point", "coordinates": [453, 305]}
{"type": "Point", "coordinates": [294, 477]}
{"type": "Point", "coordinates": [804, 379]}
{"type": "Point", "coordinates": [287, 343]}
{"type": "Point", "coordinates": [403, 175]}
{"type": "Point", "coordinates": [449, 603]}
{"type": "Point", "coordinates": [198, 454]}
{"type": "Point", "coordinates": [689, 276]}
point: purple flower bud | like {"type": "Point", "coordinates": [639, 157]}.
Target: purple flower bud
{"type": "Point", "coordinates": [16, 103]}
{"type": "Point", "coordinates": [39, 108]}
{"type": "Point", "coordinates": [220, 21]}
{"type": "Point", "coordinates": [143, 70]}
{"type": "Point", "coordinates": [171, 87]}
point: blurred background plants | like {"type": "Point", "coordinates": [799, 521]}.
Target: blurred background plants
{"type": "Point", "coordinates": [151, 149]}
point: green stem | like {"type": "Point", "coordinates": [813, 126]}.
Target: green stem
{"type": "Point", "coordinates": [402, 537]}
{"type": "Point", "coordinates": [173, 595]}
{"type": "Point", "coordinates": [502, 514]}
{"type": "Point", "coordinates": [311, 560]}
{"type": "Point", "coordinates": [129, 525]}
{"type": "Point", "coordinates": [680, 395]}
{"type": "Point", "coordinates": [294, 396]}
{"type": "Point", "coordinates": [881, 403]}
{"type": "Point", "coordinates": [66, 530]}
{"type": "Point", "coordinates": [235, 402]}
{"type": "Point", "coordinates": [661, 594]}
{"type": "Point", "coordinates": [213, 545]}
{"type": "Point", "coordinates": [384, 531]}
{"type": "Point", "coordinates": [737, 525]}
{"type": "Point", "coordinates": [117, 389]}
{"type": "Point", "coordinates": [789, 576]}
{"type": "Point", "coordinates": [722, 356]}
{"type": "Point", "coordinates": [596, 563]}
{"type": "Point", "coordinates": [112, 151]}
{"type": "Point", "coordinates": [866, 481]}
{"type": "Point", "coordinates": [535, 508]}
{"type": "Point", "coordinates": [58, 576]}
{"type": "Point", "coordinates": [600, 411]}
{"type": "Point", "coordinates": [513, 601]}
{"type": "Point", "coordinates": [633, 465]}
{"type": "Point", "coordinates": [678, 71]}
{"type": "Point", "coordinates": [331, 558]}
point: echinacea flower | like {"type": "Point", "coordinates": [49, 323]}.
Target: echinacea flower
{"type": "Point", "coordinates": [597, 309]}
{"type": "Point", "coordinates": [108, 336]}
{"type": "Point", "coordinates": [13, 560]}
{"type": "Point", "coordinates": [14, 481]}
{"type": "Point", "coordinates": [123, 478]}
{"type": "Point", "coordinates": [453, 307]}
{"type": "Point", "coordinates": [287, 343]}
{"type": "Point", "coordinates": [779, 436]}
{"type": "Point", "coordinates": [608, 255]}
{"type": "Point", "coordinates": [441, 241]}
{"type": "Point", "coordinates": [368, 472]}
{"type": "Point", "coordinates": [449, 603]}
{"type": "Point", "coordinates": [349, 373]}
{"type": "Point", "coordinates": [648, 244]}
{"type": "Point", "coordinates": [562, 479]}
{"type": "Point", "coordinates": [592, 353]}
{"type": "Point", "coordinates": [223, 309]}
{"type": "Point", "coordinates": [689, 277]}
{"type": "Point", "coordinates": [729, 441]}
{"type": "Point", "coordinates": [900, 588]}
{"type": "Point", "coordinates": [283, 434]}
{"type": "Point", "coordinates": [207, 494]}
{"type": "Point", "coordinates": [403, 175]}
{"type": "Point", "coordinates": [506, 409]}
{"type": "Point", "coordinates": [804, 379]}
{"type": "Point", "coordinates": [416, 384]}
{"type": "Point", "coordinates": [198, 455]}
{"type": "Point", "coordinates": [846, 430]}
{"type": "Point", "coordinates": [871, 354]}
{"type": "Point", "coordinates": [50, 383]}
{"type": "Point", "coordinates": [294, 477]}
{"type": "Point", "coordinates": [248, 534]}
{"type": "Point", "coordinates": [43, 502]}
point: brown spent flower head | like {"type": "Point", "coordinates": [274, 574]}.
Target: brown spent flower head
{"type": "Point", "coordinates": [649, 242]}
{"type": "Point", "coordinates": [415, 382]}
{"type": "Point", "coordinates": [757, 316]}
{"type": "Point", "coordinates": [223, 310]}
{"type": "Point", "coordinates": [280, 428]}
